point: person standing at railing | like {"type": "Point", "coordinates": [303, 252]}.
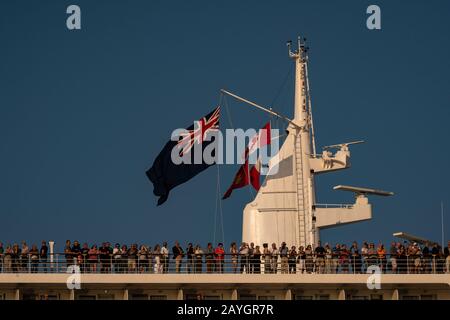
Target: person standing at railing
{"type": "Point", "coordinates": [328, 258]}
{"type": "Point", "coordinates": [104, 258]}
{"type": "Point", "coordinates": [344, 259]}
{"type": "Point", "coordinates": [209, 256]}
{"type": "Point", "coordinates": [93, 259]}
{"type": "Point", "coordinates": [435, 258]}
{"type": "Point", "coordinates": [411, 257]}
{"type": "Point", "coordinates": [219, 253]}
{"type": "Point", "coordinates": [336, 252]}
{"type": "Point", "coordinates": [372, 255]}
{"type": "Point", "coordinates": [15, 258]}
{"type": "Point", "coordinates": [257, 260]}
{"type": "Point", "coordinates": [301, 260]}
{"type": "Point", "coordinates": [76, 253]}
{"type": "Point", "coordinates": [34, 256]}
{"type": "Point", "coordinates": [393, 257]}
{"type": "Point", "coordinates": [402, 264]}
{"type": "Point", "coordinates": [309, 259]}
{"type": "Point", "coordinates": [198, 254]}
{"type": "Point", "coordinates": [292, 260]}
{"type": "Point", "coordinates": [243, 257]}
{"type": "Point", "coordinates": [132, 258]}
{"type": "Point", "coordinates": [234, 257]}
{"type": "Point", "coordinates": [381, 252]}
{"type": "Point", "coordinates": [157, 267]}
{"type": "Point", "coordinates": [355, 258]}
{"type": "Point", "coordinates": [1, 257]}
{"type": "Point", "coordinates": [441, 260]}
{"type": "Point", "coordinates": [320, 258]}
{"type": "Point", "coordinates": [426, 261]}
{"type": "Point", "coordinates": [143, 261]}
{"type": "Point", "coordinates": [124, 259]}
{"type": "Point", "coordinates": [68, 253]}
{"type": "Point", "coordinates": [7, 260]}
{"type": "Point", "coordinates": [178, 255]}
{"type": "Point", "coordinates": [284, 253]}
{"type": "Point", "coordinates": [417, 259]}
{"type": "Point", "coordinates": [365, 256]}
{"type": "Point", "coordinates": [274, 258]}
{"type": "Point", "coordinates": [251, 261]}
{"type": "Point", "coordinates": [447, 257]}
{"type": "Point", "coordinates": [24, 257]}
{"type": "Point", "coordinates": [165, 257]}
{"type": "Point", "coordinates": [150, 259]}
{"type": "Point", "coordinates": [190, 257]}
{"type": "Point", "coordinates": [267, 257]}
{"type": "Point", "coordinates": [117, 257]}
{"type": "Point", "coordinates": [43, 256]}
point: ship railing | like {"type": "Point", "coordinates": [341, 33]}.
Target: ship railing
{"type": "Point", "coordinates": [333, 205]}
{"type": "Point", "coordinates": [227, 263]}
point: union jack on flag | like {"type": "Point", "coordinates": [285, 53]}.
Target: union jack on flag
{"type": "Point", "coordinates": [198, 132]}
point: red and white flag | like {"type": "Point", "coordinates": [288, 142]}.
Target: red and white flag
{"type": "Point", "coordinates": [244, 176]}
{"type": "Point", "coordinates": [261, 139]}
{"type": "Point", "coordinates": [255, 173]}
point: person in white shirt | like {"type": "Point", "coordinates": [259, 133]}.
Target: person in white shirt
{"type": "Point", "coordinates": [165, 258]}
{"type": "Point", "coordinates": [117, 257]}
{"type": "Point", "coordinates": [243, 253]}
{"type": "Point", "coordinates": [274, 258]}
{"type": "Point", "coordinates": [157, 267]}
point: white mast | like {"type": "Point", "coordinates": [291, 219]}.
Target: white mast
{"type": "Point", "coordinates": [282, 209]}
{"type": "Point", "coordinates": [304, 178]}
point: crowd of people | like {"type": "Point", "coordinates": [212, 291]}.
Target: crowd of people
{"type": "Point", "coordinates": [245, 258]}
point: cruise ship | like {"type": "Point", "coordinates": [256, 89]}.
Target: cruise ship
{"type": "Point", "coordinates": [286, 200]}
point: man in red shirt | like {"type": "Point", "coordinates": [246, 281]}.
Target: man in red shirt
{"type": "Point", "coordinates": [220, 256]}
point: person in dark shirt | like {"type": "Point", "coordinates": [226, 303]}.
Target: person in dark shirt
{"type": "Point", "coordinates": [355, 258]}
{"type": "Point", "coordinates": [84, 256]}
{"type": "Point", "coordinates": [76, 249]}
{"type": "Point", "coordinates": [76, 253]}
{"type": "Point", "coordinates": [178, 255]}
{"type": "Point", "coordinates": [320, 257]}
{"type": "Point", "coordinates": [132, 258]}
{"type": "Point", "coordinates": [426, 258]}
{"type": "Point", "coordinates": [43, 256]}
{"type": "Point", "coordinates": [190, 257]}
{"type": "Point", "coordinates": [1, 257]}
{"type": "Point", "coordinates": [68, 254]}
{"type": "Point", "coordinates": [292, 260]}
{"type": "Point", "coordinates": [104, 258]}
{"type": "Point", "coordinates": [435, 257]}
{"type": "Point", "coordinates": [257, 260]}
{"type": "Point", "coordinates": [209, 256]}
{"type": "Point", "coordinates": [34, 257]}
{"type": "Point", "coordinates": [447, 257]}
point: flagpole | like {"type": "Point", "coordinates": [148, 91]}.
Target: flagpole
{"type": "Point", "coordinates": [270, 111]}
{"type": "Point", "coordinates": [442, 223]}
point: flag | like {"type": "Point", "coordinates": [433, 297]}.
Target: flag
{"type": "Point", "coordinates": [165, 174]}
{"type": "Point", "coordinates": [255, 173]}
{"type": "Point", "coordinates": [261, 139]}
{"type": "Point", "coordinates": [244, 177]}
{"type": "Point", "coordinates": [240, 180]}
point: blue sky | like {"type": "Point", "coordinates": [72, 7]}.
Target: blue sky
{"type": "Point", "coordinates": [83, 113]}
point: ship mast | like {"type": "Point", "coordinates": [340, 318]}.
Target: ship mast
{"type": "Point", "coordinates": [304, 178]}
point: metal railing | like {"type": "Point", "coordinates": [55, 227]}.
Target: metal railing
{"type": "Point", "coordinates": [333, 205]}
{"type": "Point", "coordinates": [228, 263]}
